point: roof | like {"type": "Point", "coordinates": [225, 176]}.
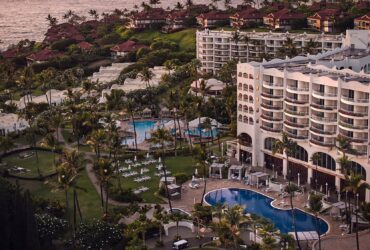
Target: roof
{"type": "Point", "coordinates": [214, 15]}
{"type": "Point", "coordinates": [84, 45]}
{"type": "Point", "coordinates": [127, 46]}
{"type": "Point", "coordinates": [325, 14]}
{"type": "Point", "coordinates": [63, 31]}
{"type": "Point", "coordinates": [249, 13]}
{"type": "Point", "coordinates": [178, 14]}
{"type": "Point", "coordinates": [152, 14]}
{"type": "Point", "coordinates": [12, 53]}
{"type": "Point", "coordinates": [212, 83]}
{"type": "Point", "coordinates": [285, 14]}
{"type": "Point", "coordinates": [363, 18]}
{"type": "Point", "coordinates": [44, 55]}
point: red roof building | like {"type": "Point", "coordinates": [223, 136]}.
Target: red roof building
{"type": "Point", "coordinates": [43, 56]}
{"type": "Point", "coordinates": [125, 48]}
{"type": "Point", "coordinates": [85, 46]}
{"type": "Point", "coordinates": [63, 31]}
{"type": "Point", "coordinates": [146, 19]}
{"type": "Point", "coordinates": [9, 54]}
{"type": "Point", "coordinates": [213, 18]}
{"type": "Point", "coordinates": [362, 22]}
{"type": "Point", "coordinates": [324, 20]}
{"type": "Point", "coordinates": [246, 17]}
{"type": "Point", "coordinates": [176, 20]}
{"type": "Point", "coordinates": [282, 19]}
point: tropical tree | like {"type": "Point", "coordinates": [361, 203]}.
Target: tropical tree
{"type": "Point", "coordinates": [236, 37]}
{"type": "Point", "coordinates": [245, 38]}
{"type": "Point", "coordinates": [96, 140]}
{"type": "Point", "coordinates": [162, 137]}
{"type": "Point", "coordinates": [316, 158]}
{"type": "Point", "coordinates": [177, 217]}
{"type": "Point", "coordinates": [105, 174]}
{"type": "Point", "coordinates": [6, 144]}
{"type": "Point", "coordinates": [52, 20]}
{"type": "Point", "coordinates": [189, 3]}
{"type": "Point", "coordinates": [201, 158]}
{"type": "Point", "coordinates": [146, 75]}
{"type": "Point", "coordinates": [94, 14]}
{"type": "Point", "coordinates": [50, 141]}
{"type": "Point", "coordinates": [161, 216]}
{"type": "Point", "coordinates": [179, 6]}
{"type": "Point", "coordinates": [234, 216]}
{"type": "Point", "coordinates": [365, 210]}
{"type": "Point", "coordinates": [130, 106]}
{"type": "Point", "coordinates": [288, 49]}
{"type": "Point", "coordinates": [315, 205]}
{"type": "Point", "coordinates": [194, 65]}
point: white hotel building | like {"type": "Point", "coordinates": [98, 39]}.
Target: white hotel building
{"type": "Point", "coordinates": [215, 48]}
{"type": "Point", "coordinates": [313, 99]}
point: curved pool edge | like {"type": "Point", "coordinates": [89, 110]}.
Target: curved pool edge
{"type": "Point", "coordinates": [273, 199]}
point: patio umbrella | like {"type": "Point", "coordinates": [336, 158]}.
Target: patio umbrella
{"type": "Point", "coordinates": [320, 188]}
{"type": "Point", "coordinates": [299, 180]}
{"type": "Point", "coordinates": [159, 159]}
{"type": "Point", "coordinates": [147, 155]}
{"type": "Point", "coordinates": [129, 167]}
{"type": "Point", "coordinates": [193, 179]}
{"type": "Point", "coordinates": [338, 196]}
{"type": "Point", "coordinates": [135, 159]}
{"type": "Point", "coordinates": [196, 171]}
{"type": "Point", "coordinates": [141, 171]}
{"type": "Point", "coordinates": [281, 187]}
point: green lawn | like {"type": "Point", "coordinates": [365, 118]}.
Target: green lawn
{"type": "Point", "coordinates": [45, 163]}
{"type": "Point", "coordinates": [67, 135]}
{"type": "Point", "coordinates": [88, 198]}
{"type": "Point", "coordinates": [185, 38]}
{"type": "Point", "coordinates": [179, 164]}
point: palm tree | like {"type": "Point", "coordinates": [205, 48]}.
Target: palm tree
{"type": "Point", "coordinates": [161, 137]}
{"type": "Point", "coordinates": [315, 205]}
{"type": "Point", "coordinates": [105, 174]}
{"type": "Point", "coordinates": [354, 185]}
{"type": "Point", "coordinates": [343, 144]}
{"type": "Point", "coordinates": [288, 147]}
{"type": "Point", "coordinates": [170, 65]}
{"type": "Point", "coordinates": [202, 163]}
{"type": "Point", "coordinates": [177, 217]}
{"type": "Point", "coordinates": [6, 144]}
{"type": "Point", "coordinates": [288, 49]}
{"type": "Point", "coordinates": [179, 6]}
{"type": "Point", "coordinates": [246, 40]}
{"type": "Point", "coordinates": [189, 3]}
{"type": "Point", "coordinates": [315, 158]}
{"type": "Point", "coordinates": [130, 106]}
{"type": "Point", "coordinates": [310, 47]}
{"type": "Point", "coordinates": [207, 125]}
{"type": "Point", "coordinates": [94, 14]}
{"type": "Point", "coordinates": [52, 20]}
{"type": "Point", "coordinates": [160, 214]}
{"type": "Point", "coordinates": [218, 210]}
{"type": "Point", "coordinates": [146, 75]}
{"type": "Point", "coordinates": [186, 111]}
{"type": "Point", "coordinates": [96, 140]}
{"type": "Point", "coordinates": [194, 65]}
{"type": "Point", "coordinates": [50, 141]}
{"type": "Point", "coordinates": [365, 209]}
{"type": "Point", "coordinates": [234, 216]}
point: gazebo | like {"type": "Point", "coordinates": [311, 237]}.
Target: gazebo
{"type": "Point", "coordinates": [215, 170]}
{"type": "Point", "coordinates": [170, 180]}
{"type": "Point", "coordinates": [165, 112]}
{"type": "Point", "coordinates": [147, 113]}
{"type": "Point", "coordinates": [236, 172]}
{"type": "Point", "coordinates": [255, 178]}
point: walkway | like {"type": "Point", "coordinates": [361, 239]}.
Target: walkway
{"type": "Point", "coordinates": [345, 242]}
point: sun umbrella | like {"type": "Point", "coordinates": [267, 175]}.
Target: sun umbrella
{"type": "Point", "coordinates": [135, 159]}
{"type": "Point", "coordinates": [147, 155]}
{"type": "Point", "coordinates": [196, 171]}
{"type": "Point", "coordinates": [159, 159]}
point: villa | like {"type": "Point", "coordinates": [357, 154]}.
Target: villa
{"type": "Point", "coordinates": [362, 22]}
{"type": "Point", "coordinates": [84, 46]}
{"type": "Point", "coordinates": [11, 123]}
{"type": "Point", "coordinates": [125, 48]}
{"type": "Point", "coordinates": [43, 56]}
{"type": "Point", "coordinates": [213, 86]}
{"type": "Point", "coordinates": [283, 19]}
{"type": "Point", "coordinates": [176, 20]}
{"type": "Point", "coordinates": [246, 18]}
{"type": "Point", "coordinates": [313, 99]}
{"type": "Point", "coordinates": [53, 96]}
{"type": "Point", "coordinates": [324, 20]}
{"type": "Point", "coordinates": [215, 48]}
{"type": "Point", "coordinates": [63, 31]}
{"type": "Point", "coordinates": [147, 19]}
{"type": "Point", "coordinates": [108, 73]}
{"type": "Point", "coordinates": [213, 18]}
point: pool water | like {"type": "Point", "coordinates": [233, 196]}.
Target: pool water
{"type": "Point", "coordinates": [143, 129]}
{"type": "Point", "coordinates": [205, 134]}
{"type": "Point", "coordinates": [259, 204]}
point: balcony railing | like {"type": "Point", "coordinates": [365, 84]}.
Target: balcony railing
{"type": "Point", "coordinates": [324, 107]}
{"type": "Point", "coordinates": [271, 118]}
{"type": "Point", "coordinates": [353, 113]}
{"type": "Point", "coordinates": [275, 130]}
{"type": "Point", "coordinates": [289, 99]}
{"type": "Point", "coordinates": [272, 84]}
{"type": "Point", "coordinates": [297, 89]}
{"type": "Point", "coordinates": [352, 126]}
{"type": "Point", "coordinates": [322, 143]}
{"type": "Point", "coordinates": [272, 96]}
{"type": "Point", "coordinates": [324, 94]}
{"type": "Point", "coordinates": [324, 119]}
{"type": "Point", "coordinates": [355, 139]}
{"type": "Point", "coordinates": [268, 106]}
{"type": "Point", "coordinates": [296, 124]}
{"type": "Point", "coordinates": [357, 100]}
{"type": "Point", "coordinates": [295, 136]}
{"type": "Point", "coordinates": [294, 112]}
{"type": "Point", "coordinates": [323, 131]}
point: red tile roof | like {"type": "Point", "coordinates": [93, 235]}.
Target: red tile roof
{"type": "Point", "coordinates": [12, 53]}
{"type": "Point", "coordinates": [127, 46]}
{"type": "Point", "coordinates": [44, 55]}
{"type": "Point", "coordinates": [152, 14]}
{"type": "Point", "coordinates": [250, 13]}
{"type": "Point", "coordinates": [363, 18]}
{"type": "Point", "coordinates": [214, 15]}
{"type": "Point", "coordinates": [84, 45]}
{"type": "Point", "coordinates": [63, 31]}
{"type": "Point", "coordinates": [178, 15]}
{"type": "Point", "coordinates": [286, 14]}
{"type": "Point", "coordinates": [325, 14]}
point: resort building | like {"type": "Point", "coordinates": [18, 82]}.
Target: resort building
{"type": "Point", "coordinates": [324, 20]}
{"type": "Point", "coordinates": [246, 18]}
{"type": "Point", "coordinates": [213, 19]}
{"type": "Point", "coordinates": [147, 19]}
{"type": "Point", "coordinates": [11, 123]}
{"type": "Point", "coordinates": [124, 48]}
{"type": "Point", "coordinates": [283, 19]}
{"type": "Point", "coordinates": [216, 48]}
{"type": "Point", "coordinates": [53, 97]}
{"type": "Point", "coordinates": [362, 22]}
{"type": "Point", "coordinates": [108, 73]}
{"type": "Point", "coordinates": [313, 99]}
{"type": "Point", "coordinates": [43, 56]}
{"type": "Point", "coordinates": [212, 86]}
{"type": "Point", "coordinates": [176, 20]}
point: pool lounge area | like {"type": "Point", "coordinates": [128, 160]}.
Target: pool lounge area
{"type": "Point", "coordinates": [259, 204]}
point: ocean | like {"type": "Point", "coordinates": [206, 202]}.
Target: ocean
{"type": "Point", "coordinates": [26, 19]}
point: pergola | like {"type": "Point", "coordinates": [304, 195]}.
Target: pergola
{"type": "Point", "coordinates": [170, 180]}
{"type": "Point", "coordinates": [215, 170]}
{"type": "Point", "coordinates": [147, 113]}
{"type": "Point", "coordinates": [254, 178]}
{"type": "Point", "coordinates": [165, 112]}
{"type": "Point", "coordinates": [236, 172]}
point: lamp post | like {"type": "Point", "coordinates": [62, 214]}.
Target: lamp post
{"type": "Point", "coordinates": [326, 184]}
{"type": "Point", "coordinates": [299, 180]}
{"type": "Point", "coordinates": [273, 170]}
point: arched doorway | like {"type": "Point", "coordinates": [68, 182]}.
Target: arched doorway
{"type": "Point", "coordinates": [358, 169]}
{"type": "Point", "coordinates": [322, 180]}
{"type": "Point", "coordinates": [270, 161]}
{"type": "Point", "coordinates": [245, 154]}
{"type": "Point", "coordinates": [296, 169]}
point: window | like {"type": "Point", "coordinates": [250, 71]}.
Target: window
{"type": "Point", "coordinates": [301, 154]}
{"type": "Point", "coordinates": [325, 161]}
{"type": "Point", "coordinates": [269, 142]}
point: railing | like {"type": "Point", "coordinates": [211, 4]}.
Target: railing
{"type": "Point", "coordinates": [325, 94]}
{"type": "Point", "coordinates": [296, 124]}
{"type": "Point", "coordinates": [348, 125]}
{"type": "Point", "coordinates": [297, 89]}
{"type": "Point", "coordinates": [322, 143]}
{"type": "Point", "coordinates": [275, 130]}
{"type": "Point", "coordinates": [271, 118]}
{"type": "Point", "coordinates": [295, 136]}
{"type": "Point", "coordinates": [323, 131]}
{"type": "Point", "coordinates": [288, 99]}
{"type": "Point", "coordinates": [272, 84]}
{"type": "Point", "coordinates": [324, 107]}
{"type": "Point", "coordinates": [271, 96]}
{"type": "Point", "coordinates": [353, 113]}
{"type": "Point", "coordinates": [271, 106]}
{"type": "Point", "coordinates": [292, 112]}
{"type": "Point", "coordinates": [349, 99]}
{"type": "Point", "coordinates": [324, 119]}
{"type": "Point", "coordinates": [355, 139]}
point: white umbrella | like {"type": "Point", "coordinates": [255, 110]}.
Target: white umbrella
{"type": "Point", "coordinates": [267, 182]}
{"type": "Point", "coordinates": [222, 149]}
{"type": "Point", "coordinates": [141, 171]}
{"type": "Point", "coordinates": [135, 158]}
{"type": "Point", "coordinates": [320, 188]}
{"type": "Point", "coordinates": [159, 159]}
{"type": "Point", "coordinates": [281, 187]}
{"type": "Point", "coordinates": [338, 196]}
{"type": "Point", "coordinates": [196, 171]}
{"type": "Point", "coordinates": [299, 180]}
{"type": "Point", "coordinates": [129, 167]}
{"type": "Point", "coordinates": [193, 179]}
{"type": "Point", "coordinates": [147, 155]}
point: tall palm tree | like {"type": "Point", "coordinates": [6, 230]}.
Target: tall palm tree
{"type": "Point", "coordinates": [343, 144]}
{"type": "Point", "coordinates": [94, 14]}
{"type": "Point", "coordinates": [6, 144]}
{"type": "Point", "coordinates": [105, 174]}
{"type": "Point", "coordinates": [161, 137]}
{"type": "Point", "coordinates": [50, 141]}
{"type": "Point", "coordinates": [177, 217]}
{"type": "Point", "coordinates": [146, 75]}
{"type": "Point", "coordinates": [315, 158]}
{"type": "Point", "coordinates": [236, 37]}
{"type": "Point", "coordinates": [52, 20]}
{"type": "Point", "coordinates": [365, 210]}
{"type": "Point", "coordinates": [288, 49]}
{"type": "Point", "coordinates": [201, 158]}
{"type": "Point", "coordinates": [179, 6]}
{"type": "Point", "coordinates": [161, 216]}
{"type": "Point", "coordinates": [96, 140]}
{"type": "Point", "coordinates": [245, 38]}
{"type": "Point", "coordinates": [130, 106]}
{"type": "Point", "coordinates": [194, 66]}
{"type": "Point", "coordinates": [354, 185]}
{"type": "Point", "coordinates": [315, 205]}
{"type": "Point", "coordinates": [235, 216]}
{"type": "Point", "coordinates": [288, 147]}
{"type": "Point", "coordinates": [186, 109]}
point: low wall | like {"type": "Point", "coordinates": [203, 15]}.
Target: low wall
{"type": "Point", "coordinates": [187, 224]}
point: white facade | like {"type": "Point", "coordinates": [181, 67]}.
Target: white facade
{"type": "Point", "coordinates": [53, 96]}
{"type": "Point", "coordinates": [11, 123]}
{"type": "Point", "coordinates": [313, 104]}
{"type": "Point", "coordinates": [215, 48]}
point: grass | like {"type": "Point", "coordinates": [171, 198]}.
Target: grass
{"type": "Point", "coordinates": [185, 38]}
{"type": "Point", "coordinates": [89, 199]}
{"type": "Point", "coordinates": [45, 163]}
{"type": "Point", "coordinates": [68, 136]}
{"type": "Point", "coordinates": [179, 164]}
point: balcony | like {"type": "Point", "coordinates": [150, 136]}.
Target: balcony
{"type": "Point", "coordinates": [345, 125]}
{"type": "Point", "coordinates": [271, 96]}
{"type": "Point", "coordinates": [324, 107]}
{"type": "Point", "coordinates": [359, 139]}
{"type": "Point", "coordinates": [295, 101]}
{"type": "Point", "coordinates": [274, 107]}
{"type": "Point", "coordinates": [295, 113]}
{"type": "Point", "coordinates": [324, 95]}
{"type": "Point", "coordinates": [353, 113]}
{"type": "Point", "coordinates": [323, 119]}
{"type": "Point", "coordinates": [296, 124]}
{"type": "Point", "coordinates": [271, 85]}
{"type": "Point", "coordinates": [322, 131]}
{"type": "Point", "coordinates": [269, 129]}
{"type": "Point", "coordinates": [322, 143]}
{"type": "Point", "coordinates": [295, 136]}
{"type": "Point", "coordinates": [294, 89]}
{"type": "Point", "coordinates": [271, 118]}
{"type": "Point", "coordinates": [354, 101]}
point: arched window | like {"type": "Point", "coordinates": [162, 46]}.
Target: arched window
{"type": "Point", "coordinates": [245, 98]}
{"type": "Point", "coordinates": [240, 107]}
{"type": "Point", "coordinates": [240, 97]}
{"type": "Point", "coordinates": [245, 75]}
{"type": "Point", "coordinates": [251, 99]}
{"type": "Point", "coordinates": [240, 85]}
{"type": "Point", "coordinates": [250, 110]}
{"type": "Point", "coordinates": [245, 119]}
{"type": "Point", "coordinates": [245, 87]}
{"type": "Point", "coordinates": [240, 118]}
{"type": "Point", "coordinates": [325, 161]}
{"type": "Point", "coordinates": [250, 88]}
{"type": "Point", "coordinates": [245, 108]}
{"type": "Point", "coordinates": [301, 154]}
{"type": "Point", "coordinates": [358, 169]}
{"type": "Point", "coordinates": [245, 139]}
{"type": "Point", "coordinates": [269, 142]}
{"type": "Point", "coordinates": [251, 121]}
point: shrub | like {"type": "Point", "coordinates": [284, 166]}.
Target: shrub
{"type": "Point", "coordinates": [62, 45]}
{"type": "Point", "coordinates": [181, 178]}
{"type": "Point", "coordinates": [124, 195]}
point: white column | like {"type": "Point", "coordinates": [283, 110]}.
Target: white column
{"type": "Point", "coordinates": [337, 184]}
{"type": "Point", "coordinates": [309, 175]}
{"type": "Point", "coordinates": [285, 167]}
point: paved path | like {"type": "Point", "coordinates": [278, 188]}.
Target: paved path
{"type": "Point", "coordinates": [345, 242]}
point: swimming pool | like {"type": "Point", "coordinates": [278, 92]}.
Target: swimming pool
{"type": "Point", "coordinates": [260, 205]}
{"type": "Point", "coordinates": [142, 131]}
{"type": "Point", "coordinates": [205, 134]}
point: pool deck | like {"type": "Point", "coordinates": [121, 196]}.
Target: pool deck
{"type": "Point", "coordinates": [191, 196]}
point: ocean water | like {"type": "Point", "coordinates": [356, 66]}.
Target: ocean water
{"type": "Point", "coordinates": [26, 19]}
